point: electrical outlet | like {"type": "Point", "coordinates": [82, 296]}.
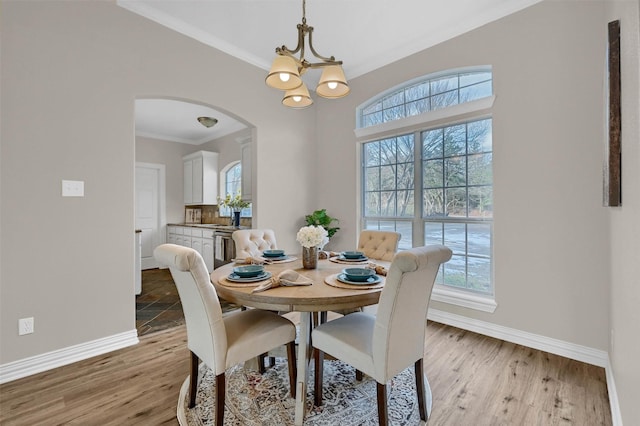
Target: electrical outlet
{"type": "Point", "coordinates": [25, 326]}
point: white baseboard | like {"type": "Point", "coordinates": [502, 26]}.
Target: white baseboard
{"type": "Point", "coordinates": [50, 360]}
{"type": "Point", "coordinates": [536, 341]}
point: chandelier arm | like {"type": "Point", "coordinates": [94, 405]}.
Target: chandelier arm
{"type": "Point", "coordinates": [331, 59]}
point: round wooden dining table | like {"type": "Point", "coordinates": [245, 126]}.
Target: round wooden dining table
{"type": "Point", "coordinates": [306, 299]}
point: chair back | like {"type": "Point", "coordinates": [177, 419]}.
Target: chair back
{"type": "Point", "coordinates": [381, 245]}
{"type": "Point", "coordinates": [401, 320]}
{"type": "Point", "coordinates": [251, 242]}
{"type": "Point", "coordinates": [206, 334]}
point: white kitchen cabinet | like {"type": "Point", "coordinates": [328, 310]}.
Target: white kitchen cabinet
{"type": "Point", "coordinates": [201, 178]}
{"type": "Point", "coordinates": [201, 240]}
{"type": "Point", "coordinates": [247, 173]}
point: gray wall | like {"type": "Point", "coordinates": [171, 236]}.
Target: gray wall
{"type": "Point", "coordinates": [563, 262]}
{"type": "Point", "coordinates": [77, 68]}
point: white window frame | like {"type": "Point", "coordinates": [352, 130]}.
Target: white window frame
{"type": "Point", "coordinates": [460, 113]}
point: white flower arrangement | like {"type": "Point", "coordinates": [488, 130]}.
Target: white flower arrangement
{"type": "Point", "coordinates": [312, 236]}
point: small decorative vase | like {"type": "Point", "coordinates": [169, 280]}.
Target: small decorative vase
{"type": "Point", "coordinates": [236, 219]}
{"type": "Point", "coordinates": [309, 257]}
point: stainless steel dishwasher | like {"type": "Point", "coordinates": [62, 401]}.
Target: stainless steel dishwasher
{"type": "Point", "coordinates": [224, 249]}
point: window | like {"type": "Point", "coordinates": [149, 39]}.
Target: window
{"type": "Point", "coordinates": [232, 184]}
{"type": "Point", "coordinates": [432, 179]}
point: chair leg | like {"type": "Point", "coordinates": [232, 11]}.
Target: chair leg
{"type": "Point", "coordinates": [193, 380]}
{"type": "Point", "coordinates": [382, 404]}
{"type": "Point", "coordinates": [319, 367]}
{"type": "Point", "coordinates": [220, 396]}
{"type": "Point", "coordinates": [272, 361]}
{"type": "Point", "coordinates": [293, 369]}
{"type": "Point", "coordinates": [359, 375]}
{"type": "Point", "coordinates": [422, 405]}
{"type": "Point", "coordinates": [261, 367]}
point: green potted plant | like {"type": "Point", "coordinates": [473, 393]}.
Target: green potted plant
{"type": "Point", "coordinates": [321, 218]}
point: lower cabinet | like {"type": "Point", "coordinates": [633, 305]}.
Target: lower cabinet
{"type": "Point", "coordinates": [201, 240]}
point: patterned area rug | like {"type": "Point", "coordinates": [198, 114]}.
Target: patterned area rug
{"type": "Point", "coordinates": [263, 400]}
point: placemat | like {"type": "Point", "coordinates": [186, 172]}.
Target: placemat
{"type": "Point", "coordinates": [225, 282]}
{"type": "Point", "coordinates": [333, 281]}
{"type": "Point", "coordinates": [346, 262]}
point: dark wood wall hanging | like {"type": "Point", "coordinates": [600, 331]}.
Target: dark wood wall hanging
{"type": "Point", "coordinates": [613, 163]}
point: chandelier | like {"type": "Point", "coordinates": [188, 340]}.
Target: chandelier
{"type": "Point", "coordinates": [287, 69]}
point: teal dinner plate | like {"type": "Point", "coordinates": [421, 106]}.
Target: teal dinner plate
{"type": "Point", "coordinates": [374, 279]}
{"type": "Point", "coordinates": [238, 279]}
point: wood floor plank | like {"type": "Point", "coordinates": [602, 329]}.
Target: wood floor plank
{"type": "Point", "coordinates": [475, 380]}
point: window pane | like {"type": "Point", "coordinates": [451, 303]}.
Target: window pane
{"type": "Point", "coordinates": [480, 169]}
{"type": "Point", "coordinates": [393, 100]}
{"type": "Point", "coordinates": [455, 237]}
{"type": "Point", "coordinates": [372, 179]}
{"type": "Point", "coordinates": [388, 151]}
{"type": "Point", "coordinates": [479, 239]}
{"type": "Point", "coordinates": [372, 154]}
{"type": "Point", "coordinates": [374, 107]}
{"type": "Point", "coordinates": [432, 174]}
{"type": "Point", "coordinates": [405, 149]}
{"type": "Point", "coordinates": [455, 272]}
{"type": "Point", "coordinates": [372, 204]}
{"type": "Point", "coordinates": [444, 84]}
{"type": "Point", "coordinates": [372, 119]}
{"type": "Point", "coordinates": [479, 136]}
{"type": "Point", "coordinates": [455, 140]}
{"type": "Point", "coordinates": [418, 91]}
{"type": "Point", "coordinates": [432, 144]}
{"type": "Point", "coordinates": [473, 78]}
{"type": "Point", "coordinates": [417, 107]}
{"type": "Point", "coordinates": [481, 202]}
{"type": "Point", "coordinates": [406, 231]}
{"type": "Point", "coordinates": [433, 200]}
{"type": "Point", "coordinates": [455, 171]}
{"type": "Point", "coordinates": [387, 203]}
{"type": "Point", "coordinates": [444, 100]}
{"type": "Point", "coordinates": [387, 177]}
{"type": "Point", "coordinates": [394, 113]}
{"type": "Point", "coordinates": [456, 202]}
{"type": "Point", "coordinates": [474, 92]}
{"type": "Point", "coordinates": [405, 176]}
{"type": "Point", "coordinates": [433, 233]}
{"type": "Point", "coordinates": [479, 275]}
{"type": "Point", "coordinates": [405, 203]}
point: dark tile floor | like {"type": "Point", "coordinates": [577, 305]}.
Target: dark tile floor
{"type": "Point", "coordinates": [158, 306]}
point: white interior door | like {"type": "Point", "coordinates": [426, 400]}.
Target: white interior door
{"type": "Point", "coordinates": [150, 209]}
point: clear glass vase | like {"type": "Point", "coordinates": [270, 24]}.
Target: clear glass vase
{"type": "Point", "coordinates": [309, 257]}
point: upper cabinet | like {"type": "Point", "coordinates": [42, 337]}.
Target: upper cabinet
{"type": "Point", "coordinates": [246, 183]}
{"type": "Point", "coordinates": [201, 178]}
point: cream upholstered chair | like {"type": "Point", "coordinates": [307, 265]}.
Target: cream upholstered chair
{"type": "Point", "coordinates": [381, 245]}
{"type": "Point", "coordinates": [252, 242]}
{"type": "Point", "coordinates": [221, 342]}
{"type": "Point", "coordinates": [383, 345]}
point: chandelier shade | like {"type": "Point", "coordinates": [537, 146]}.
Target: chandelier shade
{"type": "Point", "coordinates": [284, 74]}
{"type": "Point", "coordinates": [297, 98]}
{"type": "Point", "coordinates": [333, 83]}
{"type": "Point", "coordinates": [286, 70]}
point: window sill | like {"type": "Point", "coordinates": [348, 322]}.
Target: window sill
{"type": "Point", "coordinates": [466, 300]}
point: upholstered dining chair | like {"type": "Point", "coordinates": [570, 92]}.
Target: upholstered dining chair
{"type": "Point", "coordinates": [381, 245]}
{"type": "Point", "coordinates": [252, 242]}
{"type": "Point", "coordinates": [385, 344]}
{"type": "Point", "coordinates": [221, 342]}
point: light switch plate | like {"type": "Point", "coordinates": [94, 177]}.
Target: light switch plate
{"type": "Point", "coordinates": [73, 188]}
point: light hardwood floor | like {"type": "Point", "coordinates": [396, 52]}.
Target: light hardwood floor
{"type": "Point", "coordinates": [475, 380]}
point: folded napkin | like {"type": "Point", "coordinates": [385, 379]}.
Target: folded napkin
{"type": "Point", "coordinates": [327, 254]}
{"type": "Point", "coordinates": [286, 278]}
{"type": "Point", "coordinates": [380, 270]}
{"type": "Point", "coordinates": [251, 261]}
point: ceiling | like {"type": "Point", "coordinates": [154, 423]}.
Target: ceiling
{"type": "Point", "coordinates": [364, 34]}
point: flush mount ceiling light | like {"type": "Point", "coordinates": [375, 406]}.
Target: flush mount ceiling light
{"type": "Point", "coordinates": [287, 68]}
{"type": "Point", "coordinates": [208, 121]}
